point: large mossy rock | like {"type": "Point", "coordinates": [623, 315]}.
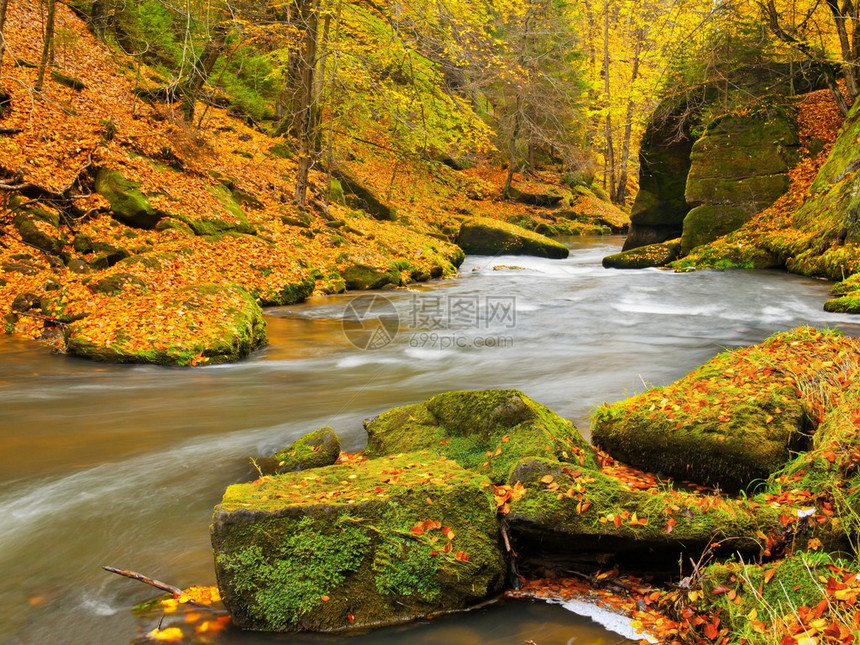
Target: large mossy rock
{"type": "Point", "coordinates": [486, 236]}
{"type": "Point", "coordinates": [190, 326]}
{"type": "Point", "coordinates": [644, 257]}
{"type": "Point", "coordinates": [314, 450]}
{"type": "Point", "coordinates": [355, 545]}
{"type": "Point", "coordinates": [487, 431]}
{"type": "Point", "coordinates": [127, 203]}
{"type": "Point", "coordinates": [358, 195]}
{"type": "Point", "coordinates": [735, 419]}
{"type": "Point", "coordinates": [737, 168]}
{"type": "Point", "coordinates": [566, 517]}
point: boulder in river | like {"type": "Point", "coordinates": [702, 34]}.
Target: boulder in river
{"type": "Point", "coordinates": [314, 450]}
{"type": "Point", "coordinates": [486, 236]}
{"type": "Point", "coordinates": [204, 323]}
{"type": "Point", "coordinates": [644, 257]}
{"type": "Point", "coordinates": [357, 545]}
{"type": "Point", "coordinates": [737, 418]}
{"type": "Point", "coordinates": [487, 431]}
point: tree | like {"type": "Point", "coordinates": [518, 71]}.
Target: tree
{"type": "Point", "coordinates": [48, 44]}
{"type": "Point", "coordinates": [800, 32]}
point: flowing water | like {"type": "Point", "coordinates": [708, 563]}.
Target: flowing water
{"type": "Point", "coordinates": [121, 465]}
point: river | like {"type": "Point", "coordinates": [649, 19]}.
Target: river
{"type": "Point", "coordinates": [121, 465]}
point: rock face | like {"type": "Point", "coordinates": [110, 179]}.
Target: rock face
{"type": "Point", "coordinates": [487, 431]}
{"type": "Point", "coordinates": [735, 419]}
{"type": "Point", "coordinates": [206, 324]}
{"type": "Point", "coordinates": [737, 168]}
{"type": "Point", "coordinates": [660, 206]}
{"type": "Point", "coordinates": [485, 236]}
{"type": "Point", "coordinates": [366, 544]}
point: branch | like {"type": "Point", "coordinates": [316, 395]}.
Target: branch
{"type": "Point", "coordinates": [152, 582]}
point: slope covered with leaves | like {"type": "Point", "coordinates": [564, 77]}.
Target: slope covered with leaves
{"type": "Point", "coordinates": [113, 207]}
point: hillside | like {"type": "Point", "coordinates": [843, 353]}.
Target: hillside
{"type": "Point", "coordinates": [128, 235]}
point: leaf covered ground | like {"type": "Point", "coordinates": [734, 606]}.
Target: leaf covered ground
{"type": "Point", "coordinates": [220, 191]}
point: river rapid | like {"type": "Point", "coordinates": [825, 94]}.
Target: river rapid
{"type": "Point", "coordinates": [121, 465]}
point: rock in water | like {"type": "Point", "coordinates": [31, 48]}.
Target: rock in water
{"type": "Point", "coordinates": [487, 431]}
{"type": "Point", "coordinates": [486, 236]}
{"type": "Point", "coordinates": [314, 450]}
{"type": "Point", "coordinates": [735, 419]}
{"type": "Point", "coordinates": [362, 544]}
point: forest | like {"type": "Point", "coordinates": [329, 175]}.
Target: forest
{"type": "Point", "coordinates": [404, 223]}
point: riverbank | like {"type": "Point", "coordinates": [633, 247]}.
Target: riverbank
{"type": "Point", "coordinates": [124, 233]}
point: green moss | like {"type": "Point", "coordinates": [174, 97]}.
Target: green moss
{"type": "Point", "coordinates": [487, 431]}
{"type": "Point", "coordinates": [230, 328]}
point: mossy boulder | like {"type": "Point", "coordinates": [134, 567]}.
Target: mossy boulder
{"type": "Point", "coordinates": [359, 195]}
{"type": "Point", "coordinates": [563, 516]}
{"type": "Point", "coordinates": [115, 284]}
{"type": "Point", "coordinates": [488, 431]}
{"type": "Point", "coordinates": [735, 419]}
{"type": "Point", "coordinates": [314, 450]}
{"type": "Point", "coordinates": [359, 276]}
{"type": "Point", "coordinates": [644, 257]}
{"type": "Point", "coordinates": [127, 203]}
{"type": "Point", "coordinates": [357, 545]}
{"type": "Point", "coordinates": [40, 228]}
{"type": "Point", "coordinates": [289, 293]}
{"type": "Point", "coordinates": [486, 236]}
{"type": "Point", "coordinates": [190, 326]}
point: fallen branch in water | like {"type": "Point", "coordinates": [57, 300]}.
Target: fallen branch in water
{"type": "Point", "coordinates": [152, 582]}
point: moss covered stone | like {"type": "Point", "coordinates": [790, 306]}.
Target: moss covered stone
{"type": "Point", "coordinates": [644, 257]}
{"type": "Point", "coordinates": [488, 431]}
{"type": "Point", "coordinates": [733, 420]}
{"type": "Point", "coordinates": [562, 513]}
{"type": "Point", "coordinates": [127, 203]}
{"type": "Point", "coordinates": [194, 325]}
{"type": "Point", "coordinates": [314, 450]}
{"type": "Point", "coordinates": [364, 276]}
{"type": "Point", "coordinates": [39, 228]}
{"type": "Point", "coordinates": [486, 236]}
{"type": "Point", "coordinates": [362, 544]}
{"type": "Point", "coordinates": [359, 195]}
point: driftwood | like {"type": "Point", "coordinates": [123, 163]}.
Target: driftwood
{"type": "Point", "coordinates": [152, 582]}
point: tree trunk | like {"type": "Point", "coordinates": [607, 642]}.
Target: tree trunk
{"type": "Point", "coordinates": [610, 151]}
{"type": "Point", "coordinates": [48, 46]}
{"type": "Point", "coordinates": [306, 117]}
{"type": "Point", "coordinates": [290, 100]}
{"type": "Point", "coordinates": [201, 70]}
{"type": "Point", "coordinates": [3, 5]}
{"type": "Point", "coordinates": [99, 18]}
{"type": "Point", "coordinates": [512, 149]}
{"type": "Point", "coordinates": [628, 125]}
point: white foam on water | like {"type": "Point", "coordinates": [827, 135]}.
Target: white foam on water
{"type": "Point", "coordinates": [368, 358]}
{"type": "Point", "coordinates": [668, 310]}
{"type": "Point", "coordinates": [617, 623]}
